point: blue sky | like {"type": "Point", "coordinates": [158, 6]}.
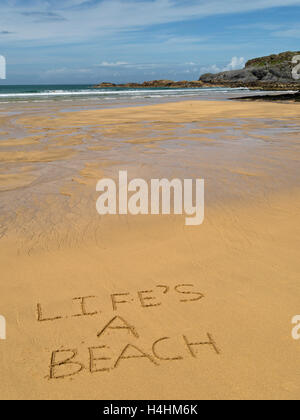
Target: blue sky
{"type": "Point", "coordinates": [89, 41]}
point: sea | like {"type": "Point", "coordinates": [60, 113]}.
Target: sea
{"type": "Point", "coordinates": [41, 93]}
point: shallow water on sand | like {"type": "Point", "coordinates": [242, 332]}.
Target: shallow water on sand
{"type": "Point", "coordinates": [44, 149]}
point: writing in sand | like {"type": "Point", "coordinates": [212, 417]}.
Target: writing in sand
{"type": "Point", "coordinates": [119, 341]}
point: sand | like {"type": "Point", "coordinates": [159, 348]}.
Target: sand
{"type": "Point", "coordinates": [144, 307]}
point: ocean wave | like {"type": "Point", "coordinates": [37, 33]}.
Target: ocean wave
{"type": "Point", "coordinates": [40, 94]}
{"type": "Point", "coordinates": [106, 92]}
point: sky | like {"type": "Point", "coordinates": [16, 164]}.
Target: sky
{"type": "Point", "coordinates": [91, 41]}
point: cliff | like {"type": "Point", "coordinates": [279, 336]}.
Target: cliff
{"type": "Point", "coordinates": [271, 72]}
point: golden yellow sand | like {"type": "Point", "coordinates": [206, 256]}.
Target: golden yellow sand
{"type": "Point", "coordinates": [232, 284]}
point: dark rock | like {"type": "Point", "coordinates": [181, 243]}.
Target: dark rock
{"type": "Point", "coordinates": [272, 72]}
{"type": "Point", "coordinates": [155, 84]}
{"type": "Point", "coordinates": [288, 97]}
{"type": "Point", "coordinates": [106, 85]}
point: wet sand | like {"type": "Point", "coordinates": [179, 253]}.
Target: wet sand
{"type": "Point", "coordinates": [144, 307]}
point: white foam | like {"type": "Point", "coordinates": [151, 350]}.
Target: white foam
{"type": "Point", "coordinates": [152, 93]}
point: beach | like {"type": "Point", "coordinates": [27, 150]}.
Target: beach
{"type": "Point", "coordinates": [144, 307]}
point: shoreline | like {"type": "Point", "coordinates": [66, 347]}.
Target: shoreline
{"type": "Point", "coordinates": [104, 96]}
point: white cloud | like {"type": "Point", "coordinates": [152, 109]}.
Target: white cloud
{"type": "Point", "coordinates": [210, 69]}
{"type": "Point", "coordinates": [136, 66]}
{"type": "Point", "coordinates": [116, 64]}
{"type": "Point", "coordinates": [288, 33]}
{"type": "Point", "coordinates": [235, 64]}
{"type": "Point", "coordinates": [74, 20]}
{"type": "Point", "coordinates": [65, 71]}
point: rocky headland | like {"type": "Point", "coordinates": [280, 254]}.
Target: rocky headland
{"type": "Point", "coordinates": [274, 72]}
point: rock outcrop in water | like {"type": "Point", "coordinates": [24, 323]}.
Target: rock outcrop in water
{"type": "Point", "coordinates": [154, 84]}
{"type": "Point", "coordinates": [271, 72]}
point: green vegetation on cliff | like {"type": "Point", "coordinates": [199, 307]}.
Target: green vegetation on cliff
{"type": "Point", "coordinates": [272, 60]}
